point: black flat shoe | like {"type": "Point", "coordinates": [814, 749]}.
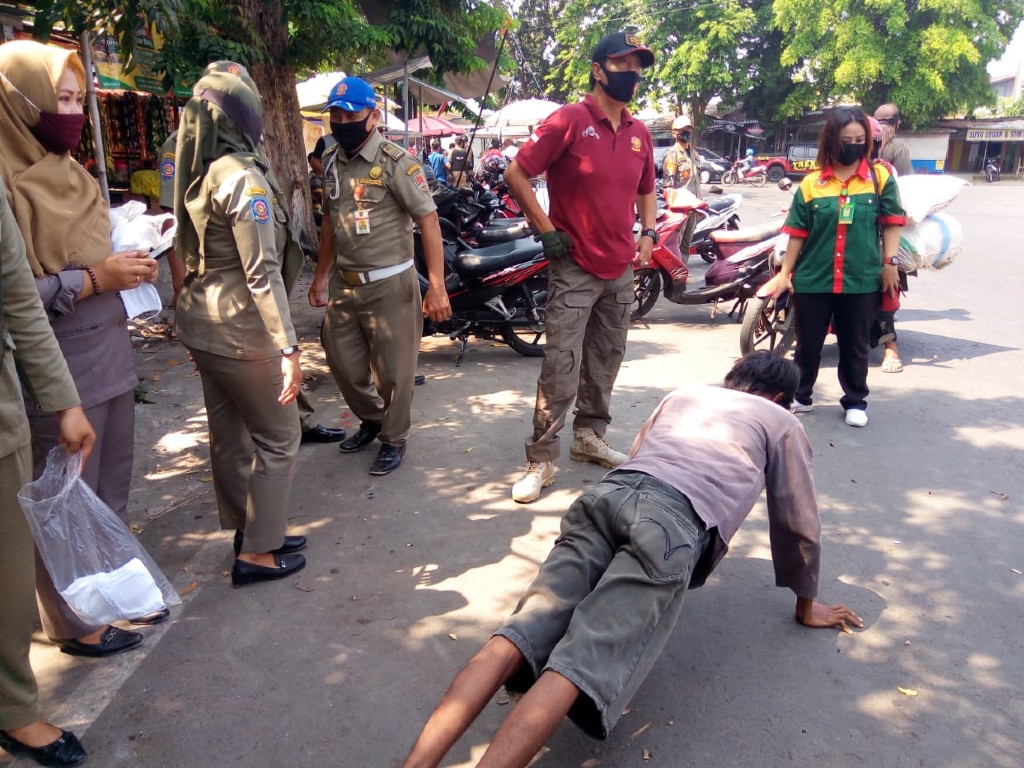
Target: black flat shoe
{"type": "Point", "coordinates": [388, 460]}
{"type": "Point", "coordinates": [243, 574]}
{"type": "Point", "coordinates": [368, 431]}
{"type": "Point", "coordinates": [149, 619]}
{"type": "Point", "coordinates": [322, 434]}
{"type": "Point", "coordinates": [113, 641]}
{"type": "Point", "coordinates": [67, 750]}
{"type": "Point", "coordinates": [291, 544]}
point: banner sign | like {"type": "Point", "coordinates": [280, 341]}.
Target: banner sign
{"type": "Point", "coordinates": [995, 134]}
{"type": "Point", "coordinates": [144, 75]}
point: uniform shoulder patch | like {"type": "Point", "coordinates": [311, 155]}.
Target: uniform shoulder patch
{"type": "Point", "coordinates": [393, 151]}
{"type": "Point", "coordinates": [167, 169]}
{"type": "Point", "coordinates": [414, 168]}
{"type": "Point", "coordinates": [420, 180]}
{"type": "Point", "coordinates": [260, 207]}
{"type": "Point", "coordinates": [254, 191]}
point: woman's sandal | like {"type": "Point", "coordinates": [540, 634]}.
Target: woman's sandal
{"type": "Point", "coordinates": [892, 365]}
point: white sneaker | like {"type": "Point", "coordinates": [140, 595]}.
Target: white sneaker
{"type": "Point", "coordinates": [587, 446]}
{"type": "Point", "coordinates": [797, 407]}
{"type": "Point", "coordinates": [857, 417]}
{"type": "Point", "coordinates": [538, 474]}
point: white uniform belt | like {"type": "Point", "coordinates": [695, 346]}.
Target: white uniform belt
{"type": "Point", "coordinates": [373, 275]}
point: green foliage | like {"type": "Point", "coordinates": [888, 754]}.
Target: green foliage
{"type": "Point", "coordinates": [1014, 109]}
{"type": "Point", "coordinates": [928, 57]}
{"type": "Point", "coordinates": [537, 22]}
{"type": "Point", "coordinates": [122, 19]}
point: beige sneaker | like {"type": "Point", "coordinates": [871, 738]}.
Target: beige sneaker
{"type": "Point", "coordinates": [538, 474]}
{"type": "Point", "coordinates": [587, 446]}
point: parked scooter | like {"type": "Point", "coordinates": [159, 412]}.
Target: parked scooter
{"type": "Point", "coordinates": [492, 177]}
{"type": "Point", "coordinates": [992, 169]}
{"type": "Point", "coordinates": [739, 174]}
{"type": "Point", "coordinates": [720, 213]}
{"type": "Point", "coordinates": [496, 292]}
{"type": "Point", "coordinates": [741, 266]}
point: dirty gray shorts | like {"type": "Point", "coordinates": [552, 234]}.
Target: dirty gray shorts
{"type": "Point", "coordinates": [608, 596]}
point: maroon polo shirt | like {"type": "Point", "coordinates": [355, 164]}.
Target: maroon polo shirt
{"type": "Point", "coordinates": [594, 175]}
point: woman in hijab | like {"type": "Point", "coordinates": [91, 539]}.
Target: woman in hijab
{"type": "Point", "coordinates": [233, 316]}
{"type": "Point", "coordinates": [65, 223]}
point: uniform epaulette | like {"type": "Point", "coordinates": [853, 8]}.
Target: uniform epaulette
{"type": "Point", "coordinates": [393, 151]}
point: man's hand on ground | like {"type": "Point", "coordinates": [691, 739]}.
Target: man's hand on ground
{"type": "Point", "coordinates": [811, 613]}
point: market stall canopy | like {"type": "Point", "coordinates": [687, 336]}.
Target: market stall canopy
{"type": "Point", "coordinates": [434, 126]}
{"type": "Point", "coordinates": [523, 113]}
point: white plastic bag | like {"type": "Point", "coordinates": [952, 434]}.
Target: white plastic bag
{"type": "Point", "coordinates": [94, 560]}
{"type": "Point", "coordinates": [131, 229]}
{"type": "Point", "coordinates": [932, 244]}
{"type": "Point", "coordinates": [925, 194]}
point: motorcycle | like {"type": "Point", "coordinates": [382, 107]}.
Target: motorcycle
{"type": "Point", "coordinates": [495, 292]}
{"type": "Point", "coordinates": [492, 177]}
{"type": "Point", "coordinates": [722, 213]}
{"type": "Point", "coordinates": [992, 169]}
{"type": "Point", "coordinates": [738, 174]}
{"type": "Point", "coordinates": [741, 266]}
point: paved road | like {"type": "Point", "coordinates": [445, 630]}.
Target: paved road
{"type": "Point", "coordinates": [408, 575]}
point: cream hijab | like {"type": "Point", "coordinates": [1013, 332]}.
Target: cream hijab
{"type": "Point", "coordinates": [58, 205]}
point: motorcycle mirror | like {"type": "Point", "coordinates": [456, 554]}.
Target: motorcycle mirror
{"type": "Point", "coordinates": [785, 184]}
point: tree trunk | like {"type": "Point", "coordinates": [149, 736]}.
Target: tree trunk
{"type": "Point", "coordinates": [282, 121]}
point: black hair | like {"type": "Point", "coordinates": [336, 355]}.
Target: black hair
{"type": "Point", "coordinates": [763, 373]}
{"type": "Point", "coordinates": [495, 144]}
{"type": "Point", "coordinates": [839, 118]}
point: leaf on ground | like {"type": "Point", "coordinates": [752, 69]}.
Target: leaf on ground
{"type": "Point", "coordinates": [206, 479]}
{"type": "Point", "coordinates": [192, 586]}
{"type": "Point", "coordinates": [172, 362]}
{"type": "Point", "coordinates": [155, 377]}
{"type": "Point", "coordinates": [646, 755]}
{"type": "Point", "coordinates": [1002, 496]}
{"type": "Point", "coordinates": [453, 636]}
{"type": "Point", "coordinates": [1015, 570]}
{"type": "Point", "coordinates": [468, 449]}
{"type": "Point", "coordinates": [135, 529]}
{"type": "Point", "coordinates": [906, 691]}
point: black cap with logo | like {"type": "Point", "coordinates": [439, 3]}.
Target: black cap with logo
{"type": "Point", "coordinates": [619, 44]}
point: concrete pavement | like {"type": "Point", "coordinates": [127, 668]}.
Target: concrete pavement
{"type": "Point", "coordinates": [409, 574]}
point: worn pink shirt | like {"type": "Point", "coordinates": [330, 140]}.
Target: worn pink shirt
{"type": "Point", "coordinates": [721, 448]}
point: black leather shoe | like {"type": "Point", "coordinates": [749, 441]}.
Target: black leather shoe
{"type": "Point", "coordinates": [67, 750]}
{"type": "Point", "coordinates": [243, 574]}
{"type": "Point", "coordinates": [368, 431]}
{"type": "Point", "coordinates": [291, 544]}
{"type": "Point", "coordinates": [322, 434]}
{"type": "Point", "coordinates": [113, 641]}
{"type": "Point", "coordinates": [388, 460]}
{"type": "Point", "coordinates": [149, 619]}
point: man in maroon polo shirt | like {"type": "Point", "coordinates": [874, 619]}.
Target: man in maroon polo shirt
{"type": "Point", "coordinates": [599, 163]}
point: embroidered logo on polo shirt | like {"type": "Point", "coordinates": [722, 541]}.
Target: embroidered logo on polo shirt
{"type": "Point", "coordinates": [634, 144]}
{"type": "Point", "coordinates": [590, 132]}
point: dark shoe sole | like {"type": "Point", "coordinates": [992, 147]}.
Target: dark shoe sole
{"type": "Point", "coordinates": [125, 642]}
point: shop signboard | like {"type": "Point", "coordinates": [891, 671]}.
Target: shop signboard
{"type": "Point", "coordinates": [995, 134]}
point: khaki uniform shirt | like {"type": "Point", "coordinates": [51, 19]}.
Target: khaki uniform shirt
{"type": "Point", "coordinates": [234, 302]}
{"type": "Point", "coordinates": [25, 336]}
{"type": "Point", "coordinates": [387, 183]}
{"type": "Point", "coordinates": [681, 168]}
{"type": "Point", "coordinates": [166, 166]}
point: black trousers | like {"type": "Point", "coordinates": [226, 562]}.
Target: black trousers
{"type": "Point", "coordinates": [851, 316]}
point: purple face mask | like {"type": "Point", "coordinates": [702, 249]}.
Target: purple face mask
{"type": "Point", "coordinates": [58, 133]}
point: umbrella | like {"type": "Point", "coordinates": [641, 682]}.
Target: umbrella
{"type": "Point", "coordinates": [525, 112]}
{"type": "Point", "coordinates": [434, 126]}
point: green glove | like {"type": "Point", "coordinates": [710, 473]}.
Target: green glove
{"type": "Point", "coordinates": [556, 244]}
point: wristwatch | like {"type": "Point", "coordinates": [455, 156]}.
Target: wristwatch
{"type": "Point", "coordinates": [651, 233]}
{"type": "Point", "coordinates": [289, 351]}
{"type": "Point", "coordinates": [893, 260]}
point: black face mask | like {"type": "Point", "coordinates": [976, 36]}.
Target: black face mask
{"type": "Point", "coordinates": [350, 136]}
{"type": "Point", "coordinates": [621, 85]}
{"type": "Point", "coordinates": [849, 154]}
{"type": "Point", "coordinates": [684, 137]}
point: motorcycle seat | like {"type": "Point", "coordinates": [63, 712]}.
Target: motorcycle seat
{"type": "Point", "coordinates": [717, 206]}
{"type": "Point", "coordinates": [503, 230]}
{"type": "Point", "coordinates": [747, 234]}
{"type": "Point", "coordinates": [478, 262]}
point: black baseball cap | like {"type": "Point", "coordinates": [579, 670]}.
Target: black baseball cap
{"type": "Point", "coordinates": [619, 44]}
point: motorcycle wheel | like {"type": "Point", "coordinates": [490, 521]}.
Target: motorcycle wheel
{"type": "Point", "coordinates": [760, 179]}
{"type": "Point", "coordinates": [646, 287]}
{"type": "Point", "coordinates": [729, 178]}
{"type": "Point", "coordinates": [765, 327]}
{"type": "Point", "coordinates": [707, 252]}
{"type": "Point", "coordinates": [523, 333]}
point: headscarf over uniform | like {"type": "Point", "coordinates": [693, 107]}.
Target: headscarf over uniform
{"type": "Point", "coordinates": [58, 205]}
{"type": "Point", "coordinates": [219, 134]}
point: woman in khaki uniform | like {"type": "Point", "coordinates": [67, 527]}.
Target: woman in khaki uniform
{"type": "Point", "coordinates": [64, 221]}
{"type": "Point", "coordinates": [233, 316]}
{"type": "Point", "coordinates": [26, 338]}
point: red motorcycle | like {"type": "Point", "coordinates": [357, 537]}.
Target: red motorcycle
{"type": "Point", "coordinates": [739, 174]}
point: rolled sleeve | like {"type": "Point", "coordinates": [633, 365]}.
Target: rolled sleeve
{"type": "Point", "coordinates": [794, 524]}
{"type": "Point", "coordinates": [60, 292]}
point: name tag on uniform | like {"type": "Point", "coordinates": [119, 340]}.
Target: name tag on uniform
{"type": "Point", "coordinates": [846, 213]}
{"type": "Point", "coordinates": [362, 222]}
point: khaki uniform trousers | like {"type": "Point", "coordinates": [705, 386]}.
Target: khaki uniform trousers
{"type": "Point", "coordinates": [586, 320]}
{"type": "Point", "coordinates": [18, 692]}
{"type": "Point", "coordinates": [371, 335]}
{"type": "Point", "coordinates": [254, 441]}
{"type": "Point", "coordinates": [108, 472]}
